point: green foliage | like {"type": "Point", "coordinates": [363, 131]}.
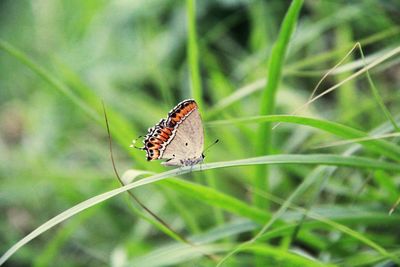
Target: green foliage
{"type": "Point", "coordinates": [268, 96]}
{"type": "Point", "coordinates": [249, 67]}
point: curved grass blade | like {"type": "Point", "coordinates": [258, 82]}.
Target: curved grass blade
{"type": "Point", "coordinates": [294, 68]}
{"type": "Point", "coordinates": [332, 54]}
{"type": "Point", "coordinates": [373, 64]}
{"type": "Point", "coordinates": [318, 159]}
{"type": "Point", "coordinates": [89, 109]}
{"type": "Point", "coordinates": [364, 61]}
{"type": "Point", "coordinates": [382, 129]}
{"type": "Point", "coordinates": [310, 179]}
{"type": "Point", "coordinates": [340, 227]}
{"type": "Point", "coordinates": [280, 257]}
{"type": "Point", "coordinates": [174, 257]}
{"type": "Point", "coordinates": [42, 73]}
{"type": "Point", "coordinates": [267, 103]}
{"type": "Point", "coordinates": [377, 96]}
{"type": "Point", "coordinates": [122, 126]}
{"type": "Point", "coordinates": [356, 140]}
{"type": "Point", "coordinates": [235, 97]}
{"type": "Point", "coordinates": [218, 199]}
{"type": "Point", "coordinates": [171, 254]}
{"type": "Point", "coordinates": [238, 207]}
{"type": "Point", "coordinates": [380, 146]}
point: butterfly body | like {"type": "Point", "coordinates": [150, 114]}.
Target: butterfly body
{"type": "Point", "coordinates": [179, 139]}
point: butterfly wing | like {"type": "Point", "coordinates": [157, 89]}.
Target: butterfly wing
{"type": "Point", "coordinates": [179, 139]}
{"type": "Point", "coordinates": [187, 144]}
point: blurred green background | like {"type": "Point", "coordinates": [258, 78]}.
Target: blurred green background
{"type": "Point", "coordinates": [133, 56]}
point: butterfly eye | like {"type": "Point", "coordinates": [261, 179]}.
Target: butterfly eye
{"type": "Point", "coordinates": [186, 144]}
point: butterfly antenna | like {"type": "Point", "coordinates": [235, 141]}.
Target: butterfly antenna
{"type": "Point", "coordinates": [209, 146]}
{"type": "Point", "coordinates": [155, 216]}
{"type": "Point", "coordinates": [134, 142]}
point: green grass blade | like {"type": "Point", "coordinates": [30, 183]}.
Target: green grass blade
{"type": "Point", "coordinates": [55, 245]}
{"type": "Point", "coordinates": [380, 146]}
{"type": "Point", "coordinates": [342, 49]}
{"type": "Point", "coordinates": [86, 101]}
{"type": "Point", "coordinates": [235, 97]}
{"type": "Point", "coordinates": [277, 257]}
{"type": "Point", "coordinates": [366, 258]}
{"type": "Point", "coordinates": [267, 103]}
{"type": "Point", "coordinates": [193, 53]}
{"type": "Point", "coordinates": [46, 76]}
{"type": "Point", "coordinates": [359, 237]}
{"type": "Point", "coordinates": [318, 159]}
{"type": "Point", "coordinates": [378, 98]}
{"type": "Point", "coordinates": [87, 104]}
{"type": "Point", "coordinates": [251, 88]}
{"type": "Point", "coordinates": [218, 199]}
{"type": "Point", "coordinates": [310, 180]}
{"type": "Point", "coordinates": [337, 226]}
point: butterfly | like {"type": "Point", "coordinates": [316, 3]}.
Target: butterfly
{"type": "Point", "coordinates": [179, 139]}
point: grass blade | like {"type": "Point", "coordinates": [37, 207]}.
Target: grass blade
{"type": "Point", "coordinates": [193, 53]}
{"type": "Point", "coordinates": [318, 159]}
{"type": "Point", "coordinates": [267, 103]}
{"type": "Point", "coordinates": [380, 146]}
{"type": "Point", "coordinates": [46, 76]}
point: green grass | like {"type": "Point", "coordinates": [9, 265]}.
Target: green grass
{"type": "Point", "coordinates": [266, 197]}
{"type": "Point", "coordinates": [268, 96]}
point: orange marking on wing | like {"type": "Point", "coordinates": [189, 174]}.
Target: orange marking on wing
{"type": "Point", "coordinates": [188, 108]}
{"type": "Point", "coordinates": [157, 142]}
{"type": "Point", "coordinates": [185, 111]}
{"type": "Point", "coordinates": [179, 115]}
{"type": "Point", "coordinates": [156, 147]}
{"type": "Point", "coordinates": [164, 134]}
{"type": "Point", "coordinates": [162, 138]}
{"type": "Point", "coordinates": [192, 106]}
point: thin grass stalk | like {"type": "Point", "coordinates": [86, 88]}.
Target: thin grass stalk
{"type": "Point", "coordinates": [377, 96]}
{"type": "Point", "coordinates": [347, 95]}
{"type": "Point", "coordinates": [194, 66]}
{"type": "Point", "coordinates": [326, 56]}
{"type": "Point", "coordinates": [267, 103]}
{"type": "Point", "coordinates": [193, 54]}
